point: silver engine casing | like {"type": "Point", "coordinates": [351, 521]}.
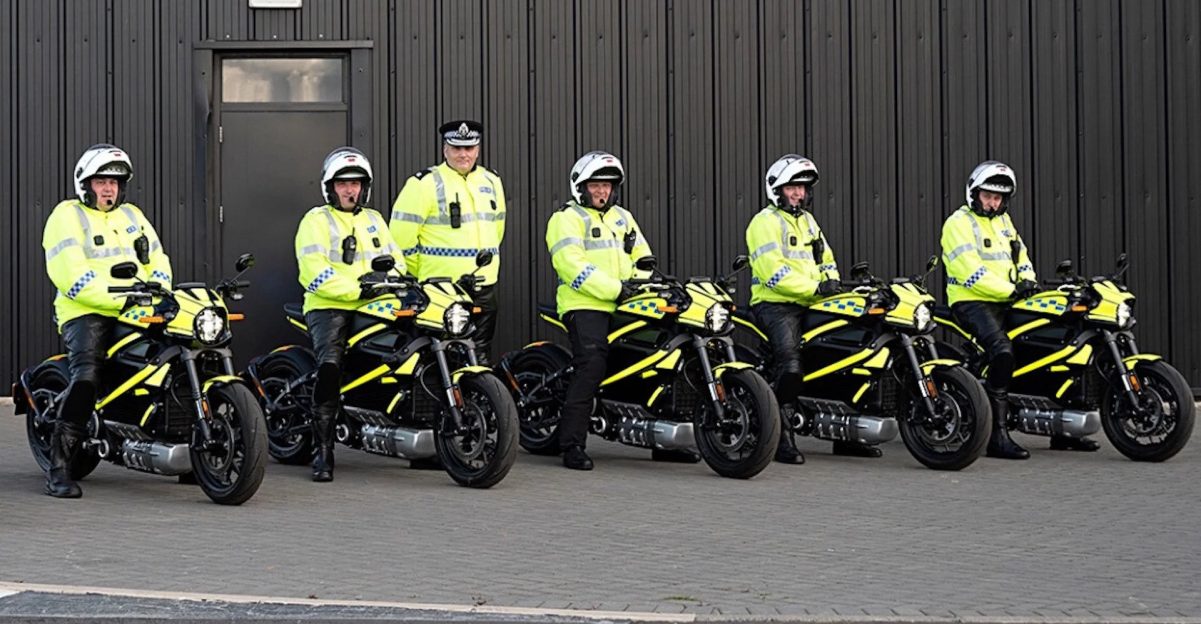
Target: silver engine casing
{"type": "Point", "coordinates": [856, 428]}
{"type": "Point", "coordinates": [402, 442]}
{"type": "Point", "coordinates": [1057, 422]}
{"type": "Point", "coordinates": [157, 457]}
{"type": "Point", "coordinates": [635, 427]}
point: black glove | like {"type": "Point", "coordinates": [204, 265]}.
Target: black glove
{"type": "Point", "coordinates": [825, 288]}
{"type": "Point", "coordinates": [367, 282]}
{"type": "Point", "coordinates": [627, 290]}
{"type": "Point", "coordinates": [1025, 289]}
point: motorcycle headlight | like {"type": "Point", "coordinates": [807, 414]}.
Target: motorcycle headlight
{"type": "Point", "coordinates": [209, 326]}
{"type": "Point", "coordinates": [922, 317]}
{"type": "Point", "coordinates": [1125, 314]}
{"type": "Point", "coordinates": [717, 318]}
{"type": "Point", "coordinates": [457, 319]}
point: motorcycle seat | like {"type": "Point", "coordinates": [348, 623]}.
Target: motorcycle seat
{"type": "Point", "coordinates": [294, 311]}
{"type": "Point", "coordinates": [549, 311]}
{"type": "Point", "coordinates": [943, 312]}
{"type": "Point", "coordinates": [745, 314]}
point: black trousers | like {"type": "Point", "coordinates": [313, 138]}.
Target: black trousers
{"type": "Point", "coordinates": [588, 331]}
{"type": "Point", "coordinates": [86, 339]}
{"type": "Point", "coordinates": [329, 330]}
{"type": "Point", "coordinates": [782, 324]}
{"type": "Point", "coordinates": [485, 323]}
{"type": "Point", "coordinates": [986, 321]}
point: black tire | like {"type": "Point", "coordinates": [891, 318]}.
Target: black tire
{"type": "Point", "coordinates": [955, 437]}
{"type": "Point", "coordinates": [481, 454]}
{"type": "Point", "coordinates": [274, 372]}
{"type": "Point", "coordinates": [231, 467]}
{"type": "Point", "coordinates": [743, 444]}
{"type": "Point", "coordinates": [1166, 426]}
{"type": "Point", "coordinates": [48, 381]}
{"type": "Point", "coordinates": [540, 422]}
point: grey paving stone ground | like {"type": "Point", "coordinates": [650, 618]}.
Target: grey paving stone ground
{"type": "Point", "coordinates": [1060, 535]}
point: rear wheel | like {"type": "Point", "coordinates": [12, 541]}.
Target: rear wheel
{"type": "Point", "coordinates": [480, 452]}
{"type": "Point", "coordinates": [49, 381]}
{"type": "Point", "coordinates": [289, 428]}
{"type": "Point", "coordinates": [954, 436]}
{"type": "Point", "coordinates": [742, 442]}
{"type": "Point", "coordinates": [531, 368]}
{"type": "Point", "coordinates": [229, 464]}
{"type": "Point", "coordinates": [1160, 425]}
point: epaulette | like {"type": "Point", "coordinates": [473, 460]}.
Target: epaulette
{"type": "Point", "coordinates": [423, 173]}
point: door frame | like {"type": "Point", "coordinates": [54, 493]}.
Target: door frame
{"type": "Point", "coordinates": [206, 165]}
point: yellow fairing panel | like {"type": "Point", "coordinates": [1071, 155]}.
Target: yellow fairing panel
{"type": "Point", "coordinates": [1051, 303]}
{"type": "Point", "coordinates": [441, 296]}
{"type": "Point", "coordinates": [909, 298]}
{"type": "Point", "coordinates": [191, 301]}
{"type": "Point", "coordinates": [1111, 298]}
{"type": "Point", "coordinates": [704, 295]}
{"type": "Point", "coordinates": [847, 304]}
{"type": "Point", "coordinates": [382, 308]}
{"type": "Point", "coordinates": [647, 305]}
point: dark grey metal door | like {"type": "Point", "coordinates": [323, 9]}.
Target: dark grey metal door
{"type": "Point", "coordinates": [277, 120]}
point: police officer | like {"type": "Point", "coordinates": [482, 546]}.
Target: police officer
{"type": "Point", "coordinates": [335, 245]}
{"type": "Point", "coordinates": [84, 238]}
{"type": "Point", "coordinates": [988, 267]}
{"type": "Point", "coordinates": [793, 267]}
{"type": "Point", "coordinates": [446, 214]}
{"type": "Point", "coordinates": [593, 245]}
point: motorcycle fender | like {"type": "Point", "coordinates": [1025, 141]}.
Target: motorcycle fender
{"type": "Point", "coordinates": [220, 380]}
{"type": "Point", "coordinates": [722, 369]}
{"type": "Point", "coordinates": [1131, 360]}
{"type": "Point", "coordinates": [20, 403]}
{"type": "Point", "coordinates": [929, 365]}
{"type": "Point", "coordinates": [468, 370]}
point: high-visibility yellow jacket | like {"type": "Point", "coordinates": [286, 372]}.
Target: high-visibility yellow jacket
{"type": "Point", "coordinates": [976, 251]}
{"type": "Point", "coordinates": [82, 245]}
{"type": "Point", "coordinates": [329, 282]}
{"type": "Point", "coordinates": [424, 228]}
{"type": "Point", "coordinates": [588, 250]}
{"type": "Point", "coordinates": [782, 257]}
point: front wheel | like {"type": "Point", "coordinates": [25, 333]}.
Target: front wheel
{"type": "Point", "coordinates": [1160, 425]}
{"type": "Point", "coordinates": [49, 381]}
{"type": "Point", "coordinates": [743, 441]}
{"type": "Point", "coordinates": [480, 452]}
{"type": "Point", "coordinates": [229, 465]}
{"type": "Point", "coordinates": [954, 436]}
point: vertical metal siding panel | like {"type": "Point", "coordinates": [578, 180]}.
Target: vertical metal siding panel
{"type": "Point", "coordinates": [920, 167]}
{"type": "Point", "coordinates": [321, 20]}
{"type": "Point", "coordinates": [1100, 142]}
{"type": "Point", "coordinates": [1184, 185]}
{"type": "Point", "coordinates": [833, 199]}
{"type": "Point", "coordinates": [507, 147]}
{"type": "Point", "coordinates": [645, 110]}
{"type": "Point", "coordinates": [874, 134]}
{"type": "Point", "coordinates": [1143, 168]}
{"type": "Point", "coordinates": [965, 138]}
{"type": "Point", "coordinates": [369, 20]}
{"type": "Point", "coordinates": [88, 85]}
{"type": "Point", "coordinates": [553, 115]}
{"type": "Point", "coordinates": [274, 24]}
{"type": "Point", "coordinates": [8, 218]}
{"type": "Point", "coordinates": [461, 84]}
{"type": "Point", "coordinates": [135, 97]}
{"type": "Point", "coordinates": [782, 86]}
{"type": "Point", "coordinates": [1009, 104]}
{"type": "Point", "coordinates": [693, 140]}
{"type": "Point", "coordinates": [413, 80]}
{"type": "Point", "coordinates": [737, 131]}
{"type": "Point", "coordinates": [178, 221]}
{"type": "Point", "coordinates": [598, 71]}
{"type": "Point", "coordinates": [43, 168]}
{"type": "Point", "coordinates": [228, 20]}
{"type": "Point", "coordinates": [1052, 190]}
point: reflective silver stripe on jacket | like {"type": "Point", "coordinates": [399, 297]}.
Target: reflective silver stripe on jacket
{"type": "Point", "coordinates": [335, 242]}
{"type": "Point", "coordinates": [764, 249]}
{"type": "Point", "coordinates": [57, 249]}
{"type": "Point", "coordinates": [89, 248]}
{"type": "Point", "coordinates": [466, 218]}
{"type": "Point", "coordinates": [440, 191]}
{"type": "Point", "coordinates": [571, 240]}
{"type": "Point", "coordinates": [388, 249]}
{"type": "Point", "coordinates": [1002, 254]}
{"type": "Point", "coordinates": [785, 249]}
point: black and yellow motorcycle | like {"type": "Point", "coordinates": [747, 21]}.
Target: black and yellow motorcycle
{"type": "Point", "coordinates": [674, 383]}
{"type": "Point", "coordinates": [412, 387]}
{"type": "Point", "coordinates": [871, 368]}
{"type": "Point", "coordinates": [170, 402]}
{"type": "Point", "coordinates": [1079, 369]}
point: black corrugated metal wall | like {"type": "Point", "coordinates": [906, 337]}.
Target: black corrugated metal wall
{"type": "Point", "coordinates": [1094, 102]}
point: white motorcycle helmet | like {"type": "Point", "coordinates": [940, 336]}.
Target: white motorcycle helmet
{"type": "Point", "coordinates": [994, 176]}
{"type": "Point", "coordinates": [790, 169]}
{"type": "Point", "coordinates": [105, 160]}
{"type": "Point", "coordinates": [596, 166]}
{"type": "Point", "coordinates": [346, 163]}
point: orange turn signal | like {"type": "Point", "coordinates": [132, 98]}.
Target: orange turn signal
{"type": "Point", "coordinates": [404, 313]}
{"type": "Point", "coordinates": [476, 310]}
{"type": "Point", "coordinates": [1079, 307]}
{"type": "Point", "coordinates": [668, 309]}
{"type": "Point", "coordinates": [237, 316]}
{"type": "Point", "coordinates": [876, 311]}
{"type": "Point", "coordinates": [150, 320]}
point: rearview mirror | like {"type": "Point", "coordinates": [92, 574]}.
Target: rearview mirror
{"type": "Point", "coordinates": [860, 271]}
{"type": "Point", "coordinates": [741, 262]}
{"type": "Point", "coordinates": [483, 258]}
{"type": "Point", "coordinates": [646, 263]}
{"type": "Point", "coordinates": [125, 270]}
{"type": "Point", "coordinates": [383, 263]}
{"type": "Point", "coordinates": [1064, 268]}
{"type": "Point", "coordinates": [245, 261]}
{"type": "Point", "coordinates": [931, 263]}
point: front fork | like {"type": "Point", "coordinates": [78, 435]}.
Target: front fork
{"type": "Point", "coordinates": [454, 396]}
{"type": "Point", "coordinates": [925, 384]}
{"type": "Point", "coordinates": [1130, 381]}
{"type": "Point", "coordinates": [717, 391]}
{"type": "Point", "coordinates": [188, 357]}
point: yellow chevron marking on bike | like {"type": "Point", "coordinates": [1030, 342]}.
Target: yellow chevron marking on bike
{"type": "Point", "coordinates": [137, 378]}
{"type": "Point", "coordinates": [387, 380]}
{"type": "Point", "coordinates": [879, 361]}
{"type": "Point", "coordinates": [655, 395]}
{"type": "Point", "coordinates": [648, 374]}
{"type": "Point", "coordinates": [636, 367]}
{"type": "Point", "coordinates": [746, 323]}
{"type": "Point", "coordinates": [636, 325]}
{"type": "Point", "coordinates": [395, 400]}
{"type": "Point", "coordinates": [140, 392]}
{"type": "Point", "coordinates": [156, 380]}
{"type": "Point", "coordinates": [1130, 360]}
{"type": "Point", "coordinates": [670, 361]}
{"type": "Point", "coordinates": [1058, 355]}
{"type": "Point", "coordinates": [553, 321]}
{"type": "Point", "coordinates": [1036, 323]}
{"type": "Point", "coordinates": [219, 379]}
{"type": "Point", "coordinates": [1082, 356]}
{"type": "Point", "coordinates": [860, 371]}
{"type": "Point", "coordinates": [722, 369]}
{"type": "Point", "coordinates": [1064, 388]}
{"type": "Point", "coordinates": [122, 342]}
{"type": "Point", "coordinates": [363, 334]}
{"type": "Point", "coordinates": [374, 373]}
{"type": "Point", "coordinates": [817, 331]}
{"type": "Point", "coordinates": [297, 323]}
{"type": "Point", "coordinates": [409, 365]}
{"type": "Point", "coordinates": [475, 370]}
{"type": "Point", "coordinates": [839, 365]}
{"type": "Point", "coordinates": [930, 365]}
{"type": "Point", "coordinates": [952, 325]}
{"type": "Point", "coordinates": [859, 393]}
{"type": "Point", "coordinates": [1060, 368]}
{"type": "Point", "coordinates": [147, 413]}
